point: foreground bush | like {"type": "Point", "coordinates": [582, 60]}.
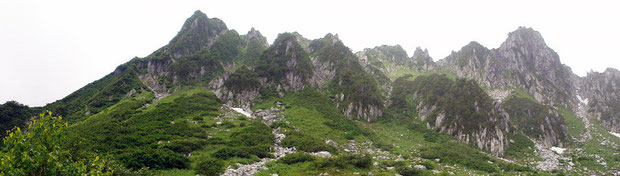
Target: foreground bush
{"type": "Point", "coordinates": [210, 166]}
{"type": "Point", "coordinates": [346, 161]}
{"type": "Point", "coordinates": [39, 151]}
{"type": "Point", "coordinates": [153, 158]}
{"type": "Point", "coordinates": [306, 143]}
{"type": "Point", "coordinates": [296, 158]}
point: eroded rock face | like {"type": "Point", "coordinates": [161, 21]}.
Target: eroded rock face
{"type": "Point", "coordinates": [422, 60]}
{"type": "Point", "coordinates": [490, 135]}
{"type": "Point", "coordinates": [601, 93]}
{"type": "Point", "coordinates": [522, 61]}
{"type": "Point", "coordinates": [356, 90]}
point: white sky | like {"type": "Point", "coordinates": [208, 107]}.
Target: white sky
{"type": "Point", "coordinates": [49, 49]}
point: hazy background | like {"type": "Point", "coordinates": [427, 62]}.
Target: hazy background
{"type": "Point", "coordinates": [49, 49]}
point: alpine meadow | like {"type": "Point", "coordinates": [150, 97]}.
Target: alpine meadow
{"type": "Point", "coordinates": [216, 101]}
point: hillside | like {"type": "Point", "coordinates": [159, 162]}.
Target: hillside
{"type": "Point", "coordinates": [214, 101]}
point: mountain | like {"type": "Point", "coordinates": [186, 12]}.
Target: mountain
{"type": "Point", "coordinates": [601, 93]}
{"type": "Point", "coordinates": [213, 101]}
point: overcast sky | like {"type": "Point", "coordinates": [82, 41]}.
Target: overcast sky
{"type": "Point", "coordinates": [49, 49]}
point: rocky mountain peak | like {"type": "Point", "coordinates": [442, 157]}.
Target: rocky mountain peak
{"type": "Point", "coordinates": [524, 36]}
{"type": "Point", "coordinates": [420, 53]}
{"type": "Point", "coordinates": [255, 35]}
{"type": "Point", "coordinates": [333, 38]}
{"type": "Point", "coordinates": [198, 32]}
{"type": "Point", "coordinates": [394, 53]}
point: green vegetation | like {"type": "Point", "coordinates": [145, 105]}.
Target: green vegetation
{"type": "Point", "coordinates": [13, 114]}
{"type": "Point", "coordinates": [39, 151]}
{"type": "Point", "coordinates": [97, 96]}
{"type": "Point", "coordinates": [311, 112]}
{"type": "Point", "coordinates": [195, 34]}
{"type": "Point", "coordinates": [210, 166]}
{"type": "Point", "coordinates": [463, 101]}
{"type": "Point", "coordinates": [131, 133]}
{"type": "Point", "coordinates": [297, 158]}
{"type": "Point", "coordinates": [273, 62]}
{"type": "Point", "coordinates": [575, 125]}
{"type": "Point", "coordinates": [521, 148]}
{"type": "Point", "coordinates": [242, 79]}
{"type": "Point", "coordinates": [528, 115]}
{"type": "Point", "coordinates": [351, 79]}
{"type": "Point", "coordinates": [345, 161]}
{"type": "Point", "coordinates": [307, 143]}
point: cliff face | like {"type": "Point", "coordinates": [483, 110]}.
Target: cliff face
{"type": "Point", "coordinates": [456, 107]}
{"type": "Point", "coordinates": [523, 61]}
{"type": "Point", "coordinates": [601, 93]}
{"type": "Point", "coordinates": [338, 71]}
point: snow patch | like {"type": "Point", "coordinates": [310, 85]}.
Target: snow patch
{"type": "Point", "coordinates": [615, 134]}
{"type": "Point", "coordinates": [558, 150]}
{"type": "Point", "coordinates": [241, 111]}
{"type": "Point", "coordinates": [582, 100]}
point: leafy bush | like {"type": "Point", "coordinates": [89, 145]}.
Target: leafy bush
{"type": "Point", "coordinates": [185, 146]}
{"type": "Point", "coordinates": [210, 166]}
{"type": "Point", "coordinates": [296, 158]}
{"type": "Point", "coordinates": [13, 114]}
{"type": "Point", "coordinates": [254, 134]}
{"type": "Point", "coordinates": [345, 161]}
{"type": "Point", "coordinates": [272, 63]}
{"type": "Point", "coordinates": [408, 171]}
{"type": "Point", "coordinates": [242, 79]}
{"type": "Point", "coordinates": [39, 151]}
{"type": "Point", "coordinates": [430, 165]}
{"type": "Point", "coordinates": [306, 143]}
{"type": "Point", "coordinates": [456, 153]}
{"type": "Point", "coordinates": [153, 158]}
{"type": "Point", "coordinates": [231, 152]}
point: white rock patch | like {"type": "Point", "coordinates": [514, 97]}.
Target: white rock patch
{"type": "Point", "coordinates": [558, 150]}
{"type": "Point", "coordinates": [241, 111]}
{"type": "Point", "coordinates": [615, 134]}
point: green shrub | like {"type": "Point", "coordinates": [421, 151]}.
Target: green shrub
{"type": "Point", "coordinates": [261, 151]}
{"type": "Point", "coordinates": [227, 124]}
{"type": "Point", "coordinates": [296, 158]}
{"type": "Point", "coordinates": [215, 141]}
{"type": "Point", "coordinates": [231, 152]}
{"type": "Point", "coordinates": [457, 153]}
{"type": "Point", "coordinates": [185, 146]}
{"type": "Point", "coordinates": [210, 166]}
{"type": "Point", "coordinates": [306, 143]}
{"type": "Point", "coordinates": [197, 118]}
{"type": "Point", "coordinates": [39, 151]}
{"type": "Point", "coordinates": [345, 161]}
{"type": "Point", "coordinates": [153, 158]}
{"type": "Point", "coordinates": [408, 171]}
{"type": "Point", "coordinates": [430, 165]}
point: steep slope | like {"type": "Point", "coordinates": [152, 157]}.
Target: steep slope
{"type": "Point", "coordinates": [14, 114]}
{"type": "Point", "coordinates": [288, 66]}
{"type": "Point", "coordinates": [523, 61]}
{"type": "Point", "coordinates": [457, 107]}
{"type": "Point", "coordinates": [601, 91]}
{"type": "Point", "coordinates": [185, 60]}
{"type": "Point", "coordinates": [541, 122]}
{"type": "Point", "coordinates": [335, 67]}
{"type": "Point", "coordinates": [198, 32]}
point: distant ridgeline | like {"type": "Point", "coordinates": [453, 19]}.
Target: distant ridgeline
{"type": "Point", "coordinates": [155, 111]}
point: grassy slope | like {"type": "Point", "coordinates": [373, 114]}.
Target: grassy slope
{"type": "Point", "coordinates": [404, 137]}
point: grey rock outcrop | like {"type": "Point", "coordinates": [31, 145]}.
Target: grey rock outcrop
{"type": "Point", "coordinates": [522, 61]}
{"type": "Point", "coordinates": [601, 92]}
